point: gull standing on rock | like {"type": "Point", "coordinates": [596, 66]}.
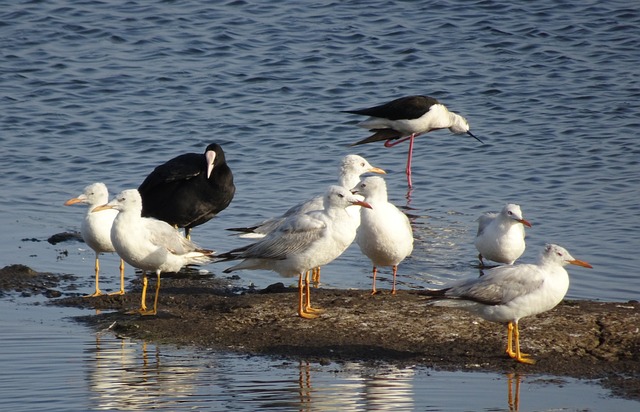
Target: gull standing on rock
{"type": "Point", "coordinates": [506, 294]}
{"type": "Point", "coordinates": [303, 242]}
{"type": "Point", "coordinates": [384, 235]}
{"type": "Point", "coordinates": [149, 244]}
{"type": "Point", "coordinates": [407, 117]}
{"type": "Point", "coordinates": [96, 228]}
{"type": "Point", "coordinates": [351, 168]}
{"type": "Point", "coordinates": [189, 190]}
{"type": "Point", "coordinates": [500, 236]}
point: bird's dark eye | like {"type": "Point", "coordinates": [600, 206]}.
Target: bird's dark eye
{"type": "Point", "coordinates": [362, 164]}
{"type": "Point", "coordinates": [510, 213]}
{"type": "Point", "coordinates": [559, 253]}
{"type": "Point", "coordinates": [340, 195]}
{"type": "Point", "coordinates": [363, 185]}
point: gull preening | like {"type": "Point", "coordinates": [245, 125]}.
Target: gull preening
{"type": "Point", "coordinates": [96, 228]}
{"type": "Point", "coordinates": [500, 236]}
{"type": "Point", "coordinates": [189, 189]}
{"type": "Point", "coordinates": [149, 244]}
{"type": "Point", "coordinates": [384, 235]}
{"type": "Point", "coordinates": [303, 242]}
{"type": "Point", "coordinates": [407, 117]}
{"type": "Point", "coordinates": [505, 294]}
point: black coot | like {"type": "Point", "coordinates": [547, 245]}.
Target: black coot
{"type": "Point", "coordinates": [189, 190]}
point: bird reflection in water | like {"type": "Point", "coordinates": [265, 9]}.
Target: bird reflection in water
{"type": "Point", "coordinates": [513, 393]}
{"type": "Point", "coordinates": [356, 387]}
{"type": "Point", "coordinates": [128, 375]}
{"type": "Point", "coordinates": [306, 389]}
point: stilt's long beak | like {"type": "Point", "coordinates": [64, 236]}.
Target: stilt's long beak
{"type": "Point", "coordinates": [472, 135]}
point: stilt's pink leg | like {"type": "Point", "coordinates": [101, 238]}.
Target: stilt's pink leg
{"type": "Point", "coordinates": [409, 158]}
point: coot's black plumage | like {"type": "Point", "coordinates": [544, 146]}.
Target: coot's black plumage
{"type": "Point", "coordinates": [189, 190]}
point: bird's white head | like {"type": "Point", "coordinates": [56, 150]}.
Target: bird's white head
{"type": "Point", "coordinates": [559, 255]}
{"type": "Point", "coordinates": [459, 124]}
{"type": "Point", "coordinates": [338, 196]}
{"type": "Point", "coordinates": [513, 211]}
{"type": "Point", "coordinates": [93, 194]}
{"type": "Point", "coordinates": [127, 200]}
{"type": "Point", "coordinates": [371, 187]}
{"type": "Point", "coordinates": [357, 165]}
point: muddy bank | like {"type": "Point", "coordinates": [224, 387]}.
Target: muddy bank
{"type": "Point", "coordinates": [582, 339]}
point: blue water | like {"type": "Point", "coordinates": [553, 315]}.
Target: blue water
{"type": "Point", "coordinates": [105, 91]}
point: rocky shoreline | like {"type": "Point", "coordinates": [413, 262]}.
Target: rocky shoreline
{"type": "Point", "coordinates": [580, 339]}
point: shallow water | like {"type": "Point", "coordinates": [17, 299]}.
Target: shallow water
{"type": "Point", "coordinates": [97, 91]}
{"type": "Point", "coordinates": [56, 365]}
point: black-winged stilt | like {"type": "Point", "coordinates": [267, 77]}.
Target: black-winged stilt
{"type": "Point", "coordinates": [407, 117]}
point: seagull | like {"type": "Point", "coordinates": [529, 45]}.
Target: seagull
{"type": "Point", "coordinates": [407, 117]}
{"type": "Point", "coordinates": [500, 236]}
{"type": "Point", "coordinates": [508, 293]}
{"type": "Point", "coordinates": [96, 228]}
{"type": "Point", "coordinates": [384, 234]}
{"type": "Point", "coordinates": [303, 242]}
{"type": "Point", "coordinates": [351, 168]}
{"type": "Point", "coordinates": [149, 244]}
{"type": "Point", "coordinates": [188, 190]}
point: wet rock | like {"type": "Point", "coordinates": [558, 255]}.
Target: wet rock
{"type": "Point", "coordinates": [65, 237]}
{"type": "Point", "coordinates": [27, 282]}
{"type": "Point", "coordinates": [583, 339]}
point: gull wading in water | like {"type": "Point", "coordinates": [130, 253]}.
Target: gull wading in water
{"type": "Point", "coordinates": [189, 189]}
{"type": "Point", "coordinates": [351, 168]}
{"type": "Point", "coordinates": [407, 117]}
{"type": "Point", "coordinates": [149, 244]}
{"type": "Point", "coordinates": [303, 242]}
{"type": "Point", "coordinates": [506, 294]}
{"type": "Point", "coordinates": [96, 228]}
{"type": "Point", "coordinates": [384, 235]}
{"type": "Point", "coordinates": [500, 236]}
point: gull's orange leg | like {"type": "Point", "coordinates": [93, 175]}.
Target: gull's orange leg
{"type": "Point", "coordinates": [509, 350]}
{"type": "Point", "coordinates": [121, 291]}
{"type": "Point", "coordinates": [373, 288]}
{"type": "Point", "coordinates": [301, 304]}
{"type": "Point", "coordinates": [98, 292]}
{"type": "Point", "coordinates": [307, 290]}
{"type": "Point", "coordinates": [153, 311]}
{"type": "Point", "coordinates": [395, 272]}
{"type": "Point", "coordinates": [315, 276]}
{"type": "Point", "coordinates": [143, 298]}
{"type": "Point", "coordinates": [520, 357]}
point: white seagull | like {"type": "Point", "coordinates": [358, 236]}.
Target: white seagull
{"type": "Point", "coordinates": [500, 236]}
{"type": "Point", "coordinates": [384, 234]}
{"type": "Point", "coordinates": [149, 244]}
{"type": "Point", "coordinates": [96, 228]}
{"type": "Point", "coordinates": [303, 242]}
{"type": "Point", "coordinates": [351, 168]}
{"type": "Point", "coordinates": [506, 294]}
{"type": "Point", "coordinates": [407, 117]}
